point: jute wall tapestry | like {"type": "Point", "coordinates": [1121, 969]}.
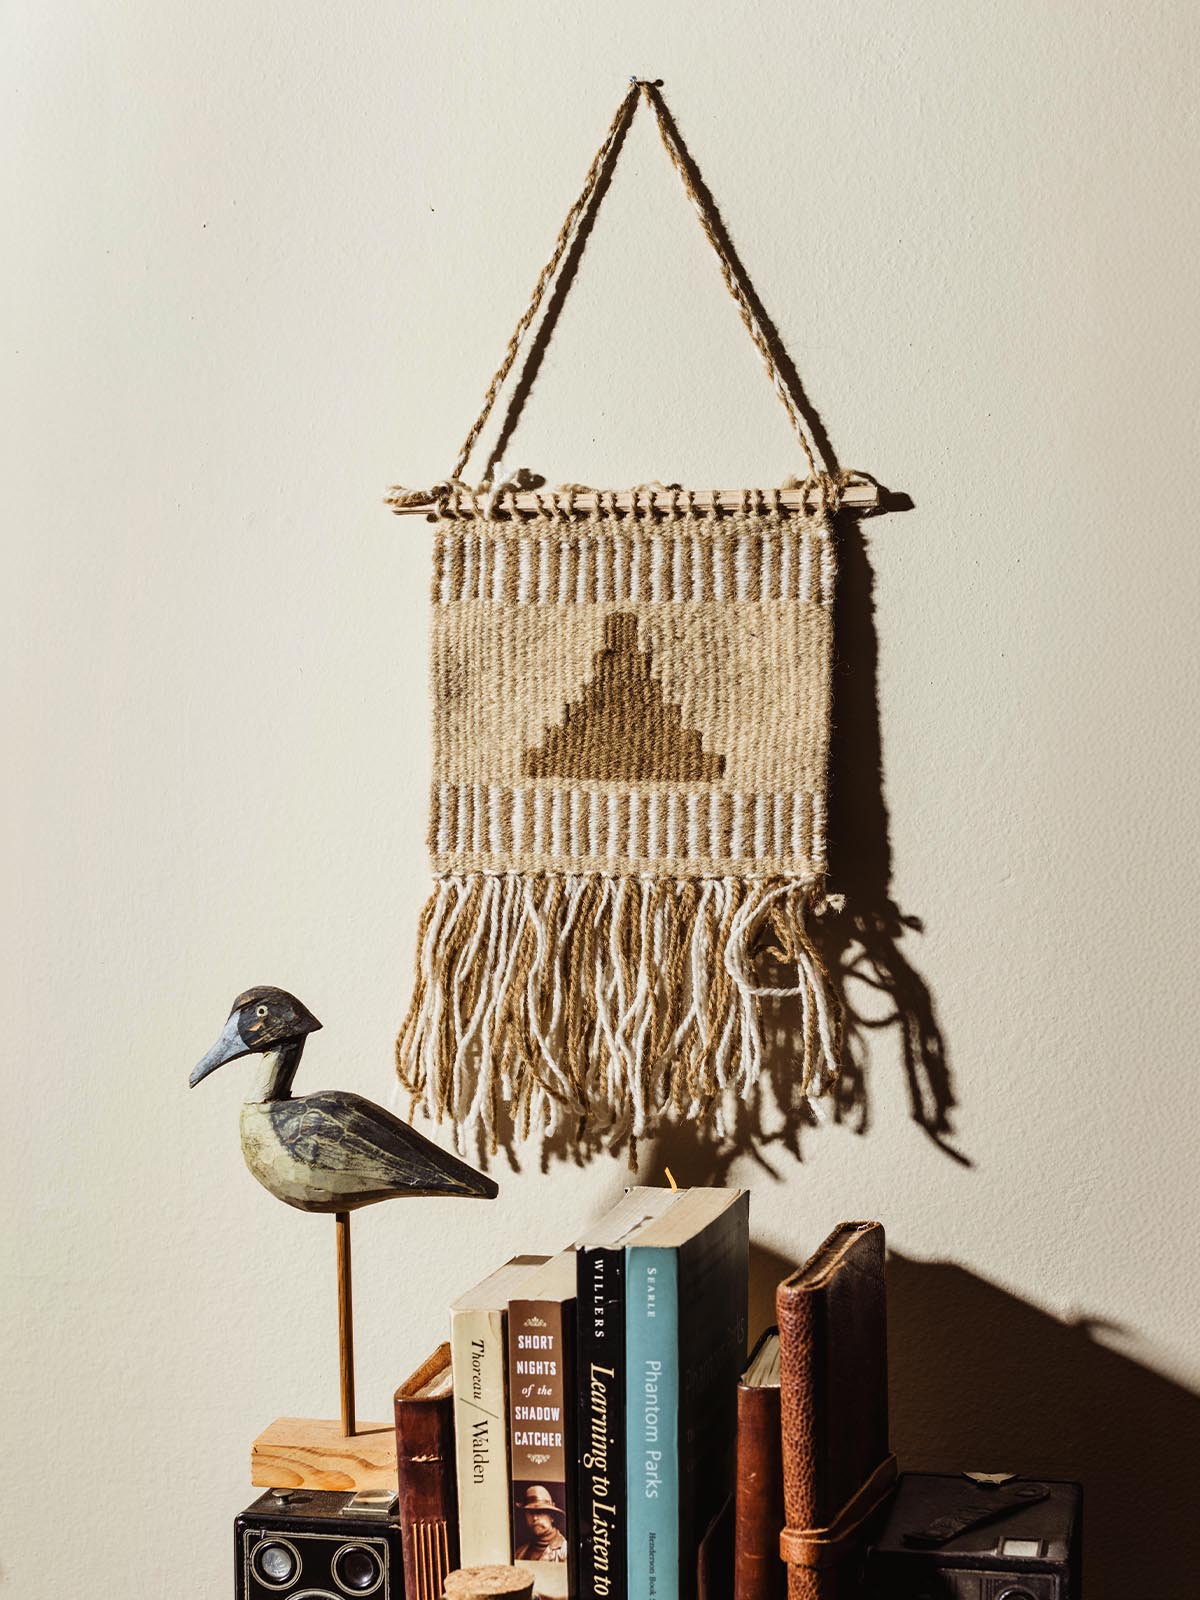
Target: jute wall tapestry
{"type": "Point", "coordinates": [631, 726]}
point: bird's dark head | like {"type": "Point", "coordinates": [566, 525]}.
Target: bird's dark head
{"type": "Point", "coordinates": [261, 1019]}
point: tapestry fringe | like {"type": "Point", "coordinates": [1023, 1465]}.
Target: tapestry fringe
{"type": "Point", "coordinates": [613, 999]}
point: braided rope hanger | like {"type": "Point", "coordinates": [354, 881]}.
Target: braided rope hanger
{"type": "Point", "coordinates": [829, 486]}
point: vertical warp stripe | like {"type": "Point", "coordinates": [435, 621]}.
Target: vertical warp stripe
{"type": "Point", "coordinates": [672, 807]}
{"type": "Point", "coordinates": [652, 844]}
{"type": "Point", "coordinates": [495, 843]}
{"type": "Point", "coordinates": [692, 807]}
{"type": "Point", "coordinates": [760, 826]}
{"type": "Point", "coordinates": [543, 577]}
{"type": "Point", "coordinates": [741, 566]}
{"type": "Point", "coordinates": [657, 565]}
{"type": "Point", "coordinates": [678, 563]}
{"type": "Point", "coordinates": [539, 822]}
{"type": "Point", "coordinates": [462, 842]}
{"type": "Point", "coordinates": [575, 822]}
{"type": "Point", "coordinates": [826, 549]}
{"type": "Point", "coordinates": [500, 558]}
{"type": "Point", "coordinates": [737, 831]}
{"type": "Point", "coordinates": [799, 844]}
{"type": "Point", "coordinates": [806, 562]}
{"type": "Point", "coordinates": [524, 571]}
{"type": "Point", "coordinates": [594, 824]}
{"type": "Point", "coordinates": [614, 825]}
{"type": "Point", "coordinates": [634, 835]}
{"type": "Point", "coordinates": [718, 561]}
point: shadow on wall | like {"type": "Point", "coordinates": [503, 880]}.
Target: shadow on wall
{"type": "Point", "coordinates": [982, 1381]}
{"type": "Point", "coordinates": [861, 934]}
{"type": "Point", "coordinates": [861, 937]}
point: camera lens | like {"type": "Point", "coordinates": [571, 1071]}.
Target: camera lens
{"type": "Point", "coordinates": [276, 1562]}
{"type": "Point", "coordinates": [356, 1569]}
{"type": "Point", "coordinates": [1015, 1594]}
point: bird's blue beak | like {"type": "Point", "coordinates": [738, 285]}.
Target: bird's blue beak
{"type": "Point", "coordinates": [227, 1048]}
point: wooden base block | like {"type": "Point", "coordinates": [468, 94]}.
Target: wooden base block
{"type": "Point", "coordinates": [312, 1453]}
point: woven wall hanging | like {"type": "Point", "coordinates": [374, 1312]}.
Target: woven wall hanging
{"type": "Point", "coordinates": [631, 725]}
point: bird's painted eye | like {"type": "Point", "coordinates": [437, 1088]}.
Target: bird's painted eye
{"type": "Point", "coordinates": [262, 1011]}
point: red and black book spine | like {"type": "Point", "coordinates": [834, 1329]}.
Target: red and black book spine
{"type": "Point", "coordinates": [425, 1472]}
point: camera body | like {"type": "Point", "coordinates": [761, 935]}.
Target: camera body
{"type": "Point", "coordinates": [312, 1544]}
{"type": "Point", "coordinates": [1024, 1551]}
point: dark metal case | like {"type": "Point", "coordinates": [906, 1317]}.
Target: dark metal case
{"type": "Point", "coordinates": [314, 1545]}
{"type": "Point", "coordinates": [1029, 1554]}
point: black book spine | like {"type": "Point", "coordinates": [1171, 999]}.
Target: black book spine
{"type": "Point", "coordinates": [600, 1345]}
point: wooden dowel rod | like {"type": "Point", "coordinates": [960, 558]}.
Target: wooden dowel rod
{"type": "Point", "coordinates": [860, 494]}
{"type": "Point", "coordinates": [345, 1322]}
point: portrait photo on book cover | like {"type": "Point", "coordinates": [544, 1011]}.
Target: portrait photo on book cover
{"type": "Point", "coordinates": [540, 1524]}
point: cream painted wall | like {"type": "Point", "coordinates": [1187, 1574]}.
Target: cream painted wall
{"type": "Point", "coordinates": [263, 260]}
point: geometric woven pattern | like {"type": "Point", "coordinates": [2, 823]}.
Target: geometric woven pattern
{"type": "Point", "coordinates": [630, 696]}
{"type": "Point", "coordinates": [627, 830]}
{"type": "Point", "coordinates": [631, 730]}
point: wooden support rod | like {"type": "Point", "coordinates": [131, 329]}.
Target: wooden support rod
{"type": "Point", "coordinates": [860, 494]}
{"type": "Point", "coordinates": [345, 1322]}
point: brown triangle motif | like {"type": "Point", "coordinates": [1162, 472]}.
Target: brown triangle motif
{"type": "Point", "coordinates": [623, 727]}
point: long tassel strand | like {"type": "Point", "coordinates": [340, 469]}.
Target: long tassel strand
{"type": "Point", "coordinates": [577, 1000]}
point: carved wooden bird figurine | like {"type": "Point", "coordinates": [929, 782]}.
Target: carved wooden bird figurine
{"type": "Point", "coordinates": [329, 1151]}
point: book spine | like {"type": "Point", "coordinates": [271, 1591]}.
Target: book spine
{"type": "Point", "coordinates": [481, 1436]}
{"type": "Point", "coordinates": [652, 1421]}
{"type": "Point", "coordinates": [713, 1271]}
{"type": "Point", "coordinates": [759, 1573]}
{"type": "Point", "coordinates": [600, 1431]}
{"type": "Point", "coordinates": [427, 1510]}
{"type": "Point", "coordinates": [541, 1379]}
{"type": "Point", "coordinates": [800, 1360]}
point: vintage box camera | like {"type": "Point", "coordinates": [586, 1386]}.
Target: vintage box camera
{"type": "Point", "coordinates": [968, 1538]}
{"type": "Point", "coordinates": [311, 1544]}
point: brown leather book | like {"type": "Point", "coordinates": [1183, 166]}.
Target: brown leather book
{"type": "Point", "coordinates": [425, 1470]}
{"type": "Point", "coordinates": [837, 1467]}
{"type": "Point", "coordinates": [758, 1569]}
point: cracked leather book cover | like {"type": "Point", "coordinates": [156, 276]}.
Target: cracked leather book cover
{"type": "Point", "coordinates": [832, 1317]}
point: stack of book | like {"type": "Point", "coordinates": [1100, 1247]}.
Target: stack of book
{"type": "Point", "coordinates": [593, 1412]}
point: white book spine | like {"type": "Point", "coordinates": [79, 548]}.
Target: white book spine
{"type": "Point", "coordinates": [477, 1351]}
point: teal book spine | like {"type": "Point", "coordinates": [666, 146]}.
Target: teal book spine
{"type": "Point", "coordinates": [652, 1421]}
